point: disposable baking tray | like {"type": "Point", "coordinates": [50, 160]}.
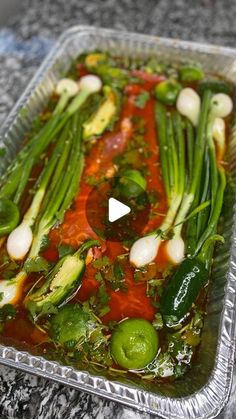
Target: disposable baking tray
{"type": "Point", "coordinates": [204, 390]}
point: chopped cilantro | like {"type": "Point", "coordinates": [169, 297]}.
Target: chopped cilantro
{"type": "Point", "coordinates": [158, 322]}
{"type": "Point", "coordinates": [162, 366]}
{"type": "Point", "coordinates": [47, 308]}
{"type": "Point", "coordinates": [153, 196]}
{"type": "Point", "coordinates": [104, 311]}
{"type": "Point", "coordinates": [101, 262]}
{"type": "Point", "coordinates": [116, 278]}
{"type": "Point", "coordinates": [64, 250]}
{"type": "Point", "coordinates": [179, 370]}
{"type": "Point", "coordinates": [118, 272]}
{"type": "Point", "coordinates": [39, 264]}
{"type": "Point", "coordinates": [10, 268]}
{"type": "Point", "coordinates": [103, 295]}
{"type": "Point", "coordinates": [154, 286]}
{"type": "Point", "coordinates": [142, 99]}
{"type": "Point", "coordinates": [138, 274]}
{"type": "Point", "coordinates": [91, 180]}
{"type": "Point", "coordinates": [45, 243]}
{"type": "Point", "coordinates": [7, 312]}
{"type": "Point", "coordinates": [99, 277]}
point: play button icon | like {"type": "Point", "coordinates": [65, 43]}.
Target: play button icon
{"type": "Point", "coordinates": [115, 214]}
{"type": "Point", "coordinates": [116, 210]}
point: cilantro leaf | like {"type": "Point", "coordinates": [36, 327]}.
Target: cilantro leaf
{"type": "Point", "coordinates": [104, 310]}
{"type": "Point", "coordinates": [10, 268]}
{"type": "Point", "coordinates": [7, 312]}
{"type": "Point", "coordinates": [64, 250]}
{"type": "Point", "coordinates": [48, 308]}
{"type": "Point", "coordinates": [99, 277]}
{"type": "Point", "coordinates": [142, 99]}
{"type": "Point", "coordinates": [39, 264]}
{"type": "Point", "coordinates": [118, 272]}
{"type": "Point", "coordinates": [45, 243]}
{"type": "Point", "coordinates": [103, 295]}
{"type": "Point", "coordinates": [158, 322]}
{"type": "Point", "coordinates": [102, 262]}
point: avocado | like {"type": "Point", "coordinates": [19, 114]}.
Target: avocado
{"type": "Point", "coordinates": [103, 117]}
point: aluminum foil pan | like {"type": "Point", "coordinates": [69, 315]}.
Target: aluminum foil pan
{"type": "Point", "coordinates": [204, 391]}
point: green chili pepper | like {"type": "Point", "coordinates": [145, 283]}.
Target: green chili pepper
{"type": "Point", "coordinates": [60, 283]}
{"type": "Point", "coordinates": [183, 289]}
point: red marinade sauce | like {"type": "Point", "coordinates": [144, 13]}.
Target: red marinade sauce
{"type": "Point", "coordinates": [134, 302]}
{"type": "Point", "coordinates": [75, 228]}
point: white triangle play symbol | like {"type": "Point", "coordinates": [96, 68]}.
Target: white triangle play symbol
{"type": "Point", "coordinates": [116, 210]}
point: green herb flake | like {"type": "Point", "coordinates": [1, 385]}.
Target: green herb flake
{"type": "Point", "coordinates": [153, 197]}
{"type": "Point", "coordinates": [91, 180]}
{"type": "Point", "coordinates": [179, 370]}
{"type": "Point", "coordinates": [158, 321]}
{"type": "Point", "coordinates": [142, 99]}
{"type": "Point", "coordinates": [103, 295]}
{"type": "Point", "coordinates": [48, 308]}
{"type": "Point", "coordinates": [99, 277]}
{"type": "Point", "coordinates": [102, 262]}
{"type": "Point", "coordinates": [45, 243]}
{"type": "Point", "coordinates": [104, 311]}
{"type": "Point", "coordinates": [154, 287]}
{"type": "Point", "coordinates": [39, 264]}
{"type": "Point", "coordinates": [7, 312]}
{"type": "Point", "coordinates": [118, 272]}
{"type": "Point", "coordinates": [64, 250]}
{"type": "Point", "coordinates": [10, 268]}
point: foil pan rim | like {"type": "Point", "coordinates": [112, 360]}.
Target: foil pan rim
{"type": "Point", "coordinates": [212, 397]}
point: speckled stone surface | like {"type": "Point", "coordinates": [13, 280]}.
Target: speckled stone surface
{"type": "Point", "coordinates": [24, 42]}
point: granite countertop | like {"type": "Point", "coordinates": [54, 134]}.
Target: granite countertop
{"type": "Point", "coordinates": [24, 42]}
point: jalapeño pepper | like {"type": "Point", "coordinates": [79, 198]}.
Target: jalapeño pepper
{"type": "Point", "coordinates": [183, 289]}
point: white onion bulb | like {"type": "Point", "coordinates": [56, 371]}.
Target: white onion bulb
{"type": "Point", "coordinates": [19, 242]}
{"type": "Point", "coordinates": [175, 250]}
{"type": "Point", "coordinates": [68, 86]}
{"type": "Point", "coordinates": [9, 291]}
{"type": "Point", "coordinates": [218, 133]}
{"type": "Point", "coordinates": [91, 83]}
{"type": "Point", "coordinates": [188, 104]}
{"type": "Point", "coordinates": [144, 250]}
{"type": "Point", "coordinates": [221, 105]}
